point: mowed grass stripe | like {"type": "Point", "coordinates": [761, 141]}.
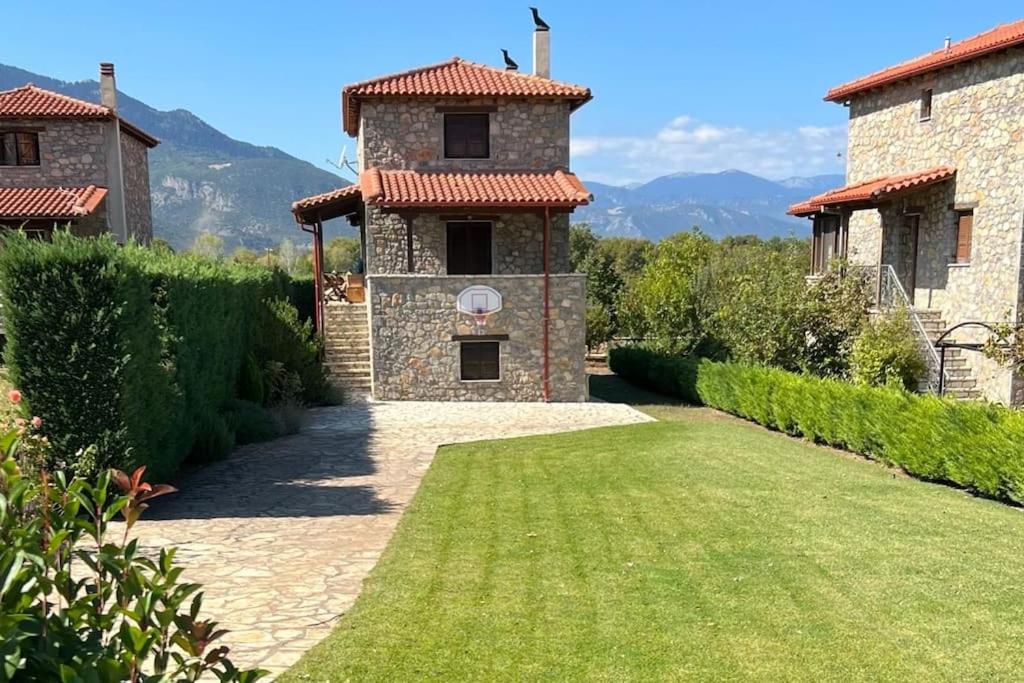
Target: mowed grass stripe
{"type": "Point", "coordinates": [699, 548]}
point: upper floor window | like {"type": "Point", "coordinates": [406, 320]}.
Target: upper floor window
{"type": "Point", "coordinates": [467, 136]}
{"type": "Point", "coordinates": [19, 148]}
{"type": "Point", "coordinates": [964, 236]}
{"type": "Point", "coordinates": [926, 104]}
{"type": "Point", "coordinates": [469, 248]}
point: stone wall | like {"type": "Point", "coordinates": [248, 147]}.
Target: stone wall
{"type": "Point", "coordinates": [517, 243]}
{"type": "Point", "coordinates": [71, 153]}
{"type": "Point", "coordinates": [977, 126]}
{"type": "Point", "coordinates": [138, 209]}
{"type": "Point", "coordinates": [409, 134]}
{"type": "Point", "coordinates": [413, 318]}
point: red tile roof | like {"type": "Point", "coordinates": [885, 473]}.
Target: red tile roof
{"type": "Point", "coordinates": [999, 38]}
{"type": "Point", "coordinates": [871, 191]}
{"type": "Point", "coordinates": [499, 190]}
{"type": "Point", "coordinates": [456, 78]}
{"type": "Point", "coordinates": [28, 101]}
{"type": "Point", "coordinates": [50, 202]}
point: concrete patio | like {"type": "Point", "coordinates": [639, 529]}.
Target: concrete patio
{"type": "Point", "coordinates": [282, 534]}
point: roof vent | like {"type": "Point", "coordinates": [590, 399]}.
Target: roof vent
{"type": "Point", "coordinates": [947, 42]}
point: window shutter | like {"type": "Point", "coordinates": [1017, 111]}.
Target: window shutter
{"type": "Point", "coordinates": [28, 149]}
{"type": "Point", "coordinates": [964, 233]}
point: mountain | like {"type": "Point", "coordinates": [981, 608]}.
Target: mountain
{"type": "Point", "coordinates": [203, 180]}
{"type": "Point", "coordinates": [727, 203]}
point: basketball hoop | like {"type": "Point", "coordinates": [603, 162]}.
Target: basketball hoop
{"type": "Point", "coordinates": [480, 317]}
{"type": "Point", "coordinates": [478, 301]}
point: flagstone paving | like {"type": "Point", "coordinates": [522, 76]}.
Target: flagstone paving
{"type": "Point", "coordinates": [282, 534]}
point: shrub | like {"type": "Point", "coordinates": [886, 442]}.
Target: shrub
{"type": "Point", "coordinates": [81, 604]}
{"type": "Point", "coordinates": [252, 423]}
{"type": "Point", "coordinates": [250, 381]}
{"type": "Point", "coordinates": [214, 440]}
{"type": "Point", "coordinates": [978, 446]}
{"type": "Point", "coordinates": [134, 350]}
{"type": "Point", "coordinates": [887, 353]}
{"type": "Point", "coordinates": [284, 339]}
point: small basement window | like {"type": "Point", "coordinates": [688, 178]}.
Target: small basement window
{"type": "Point", "coordinates": [19, 149]}
{"type": "Point", "coordinates": [479, 361]}
{"type": "Point", "coordinates": [926, 104]}
{"type": "Point", "coordinates": [467, 136]}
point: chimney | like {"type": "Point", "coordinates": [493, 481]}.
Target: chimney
{"type": "Point", "coordinates": [541, 49]}
{"type": "Point", "coordinates": [947, 42]}
{"type": "Point", "coordinates": [108, 88]}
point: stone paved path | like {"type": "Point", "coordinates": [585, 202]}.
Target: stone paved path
{"type": "Point", "coordinates": [282, 534]}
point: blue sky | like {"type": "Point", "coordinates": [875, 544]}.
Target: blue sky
{"type": "Point", "coordinates": [679, 86]}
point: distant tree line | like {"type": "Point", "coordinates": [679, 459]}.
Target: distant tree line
{"type": "Point", "coordinates": [341, 254]}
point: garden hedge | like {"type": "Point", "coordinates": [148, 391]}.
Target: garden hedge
{"type": "Point", "coordinates": [975, 445]}
{"type": "Point", "coordinates": [133, 350]}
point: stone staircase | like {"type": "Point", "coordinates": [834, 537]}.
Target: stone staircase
{"type": "Point", "coordinates": [960, 383]}
{"type": "Point", "coordinates": [347, 346]}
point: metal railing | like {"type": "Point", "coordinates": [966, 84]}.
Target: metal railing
{"type": "Point", "coordinates": [888, 294]}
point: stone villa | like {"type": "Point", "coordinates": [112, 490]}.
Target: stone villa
{"type": "Point", "coordinates": [66, 161]}
{"type": "Point", "coordinates": [934, 208]}
{"type": "Point", "coordinates": [462, 203]}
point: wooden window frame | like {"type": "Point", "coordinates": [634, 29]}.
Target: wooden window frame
{"type": "Point", "coordinates": [17, 161]}
{"type": "Point", "coordinates": [819, 265]}
{"type": "Point", "coordinates": [963, 249]}
{"type": "Point", "coordinates": [482, 369]}
{"type": "Point", "coordinates": [448, 249]}
{"type": "Point", "coordinates": [451, 116]}
{"type": "Point", "coordinates": [927, 101]}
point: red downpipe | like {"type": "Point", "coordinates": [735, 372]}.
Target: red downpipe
{"type": "Point", "coordinates": [547, 303]}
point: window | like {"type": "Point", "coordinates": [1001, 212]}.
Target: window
{"type": "Point", "coordinates": [964, 233]}
{"type": "Point", "coordinates": [19, 149]}
{"type": "Point", "coordinates": [479, 361]}
{"type": "Point", "coordinates": [926, 104]}
{"type": "Point", "coordinates": [467, 136]}
{"type": "Point", "coordinates": [827, 243]}
{"type": "Point", "coordinates": [469, 248]}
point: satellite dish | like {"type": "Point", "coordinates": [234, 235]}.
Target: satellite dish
{"type": "Point", "coordinates": [343, 164]}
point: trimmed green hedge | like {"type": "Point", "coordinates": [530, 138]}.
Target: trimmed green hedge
{"type": "Point", "coordinates": [979, 446]}
{"type": "Point", "coordinates": [134, 350]}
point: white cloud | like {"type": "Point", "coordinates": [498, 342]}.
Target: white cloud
{"type": "Point", "coordinates": [685, 144]}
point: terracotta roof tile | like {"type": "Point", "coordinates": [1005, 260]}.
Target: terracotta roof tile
{"type": "Point", "coordinates": [872, 190]}
{"type": "Point", "coordinates": [326, 198]}
{"type": "Point", "coordinates": [491, 189]}
{"type": "Point", "coordinates": [999, 38]}
{"type": "Point", "coordinates": [29, 101]}
{"type": "Point", "coordinates": [456, 78]}
{"type": "Point", "coordinates": [500, 189]}
{"type": "Point", "coordinates": [50, 202]}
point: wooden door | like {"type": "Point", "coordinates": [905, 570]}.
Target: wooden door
{"type": "Point", "coordinates": [908, 254]}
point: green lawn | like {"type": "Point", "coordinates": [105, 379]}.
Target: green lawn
{"type": "Point", "coordinates": [699, 547]}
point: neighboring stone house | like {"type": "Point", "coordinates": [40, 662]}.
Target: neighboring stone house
{"type": "Point", "coordinates": [935, 200]}
{"type": "Point", "coordinates": [463, 204]}
{"type": "Point", "coordinates": [66, 161]}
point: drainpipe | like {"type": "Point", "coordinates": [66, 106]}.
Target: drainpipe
{"type": "Point", "coordinates": [547, 303]}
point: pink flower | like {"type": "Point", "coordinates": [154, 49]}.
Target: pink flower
{"type": "Point", "coordinates": [14, 395]}
{"type": "Point", "coordinates": [19, 421]}
{"type": "Point", "coordinates": [37, 422]}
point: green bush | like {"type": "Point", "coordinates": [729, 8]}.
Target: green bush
{"type": "Point", "coordinates": [978, 446]}
{"type": "Point", "coordinates": [291, 342]}
{"type": "Point", "coordinates": [250, 381]}
{"type": "Point", "coordinates": [123, 615]}
{"type": "Point", "coordinates": [887, 353]}
{"type": "Point", "coordinates": [214, 440]}
{"type": "Point", "coordinates": [251, 422]}
{"type": "Point", "coordinates": [138, 351]}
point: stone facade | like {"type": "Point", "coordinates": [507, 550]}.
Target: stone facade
{"type": "Point", "coordinates": [517, 243]}
{"type": "Point", "coordinates": [137, 206]}
{"type": "Point", "coordinates": [412, 311]}
{"type": "Point", "coordinates": [976, 126]}
{"type": "Point", "coordinates": [409, 134]}
{"type": "Point", "coordinates": [413, 319]}
{"type": "Point", "coordinates": [74, 153]}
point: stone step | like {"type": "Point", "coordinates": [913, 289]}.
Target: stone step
{"type": "Point", "coordinates": [960, 383]}
{"type": "Point", "coordinates": [362, 350]}
{"type": "Point", "coordinates": [349, 364]}
{"type": "Point", "coordinates": [923, 313]}
{"type": "Point", "coordinates": [348, 385]}
{"type": "Point", "coordinates": [964, 394]}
